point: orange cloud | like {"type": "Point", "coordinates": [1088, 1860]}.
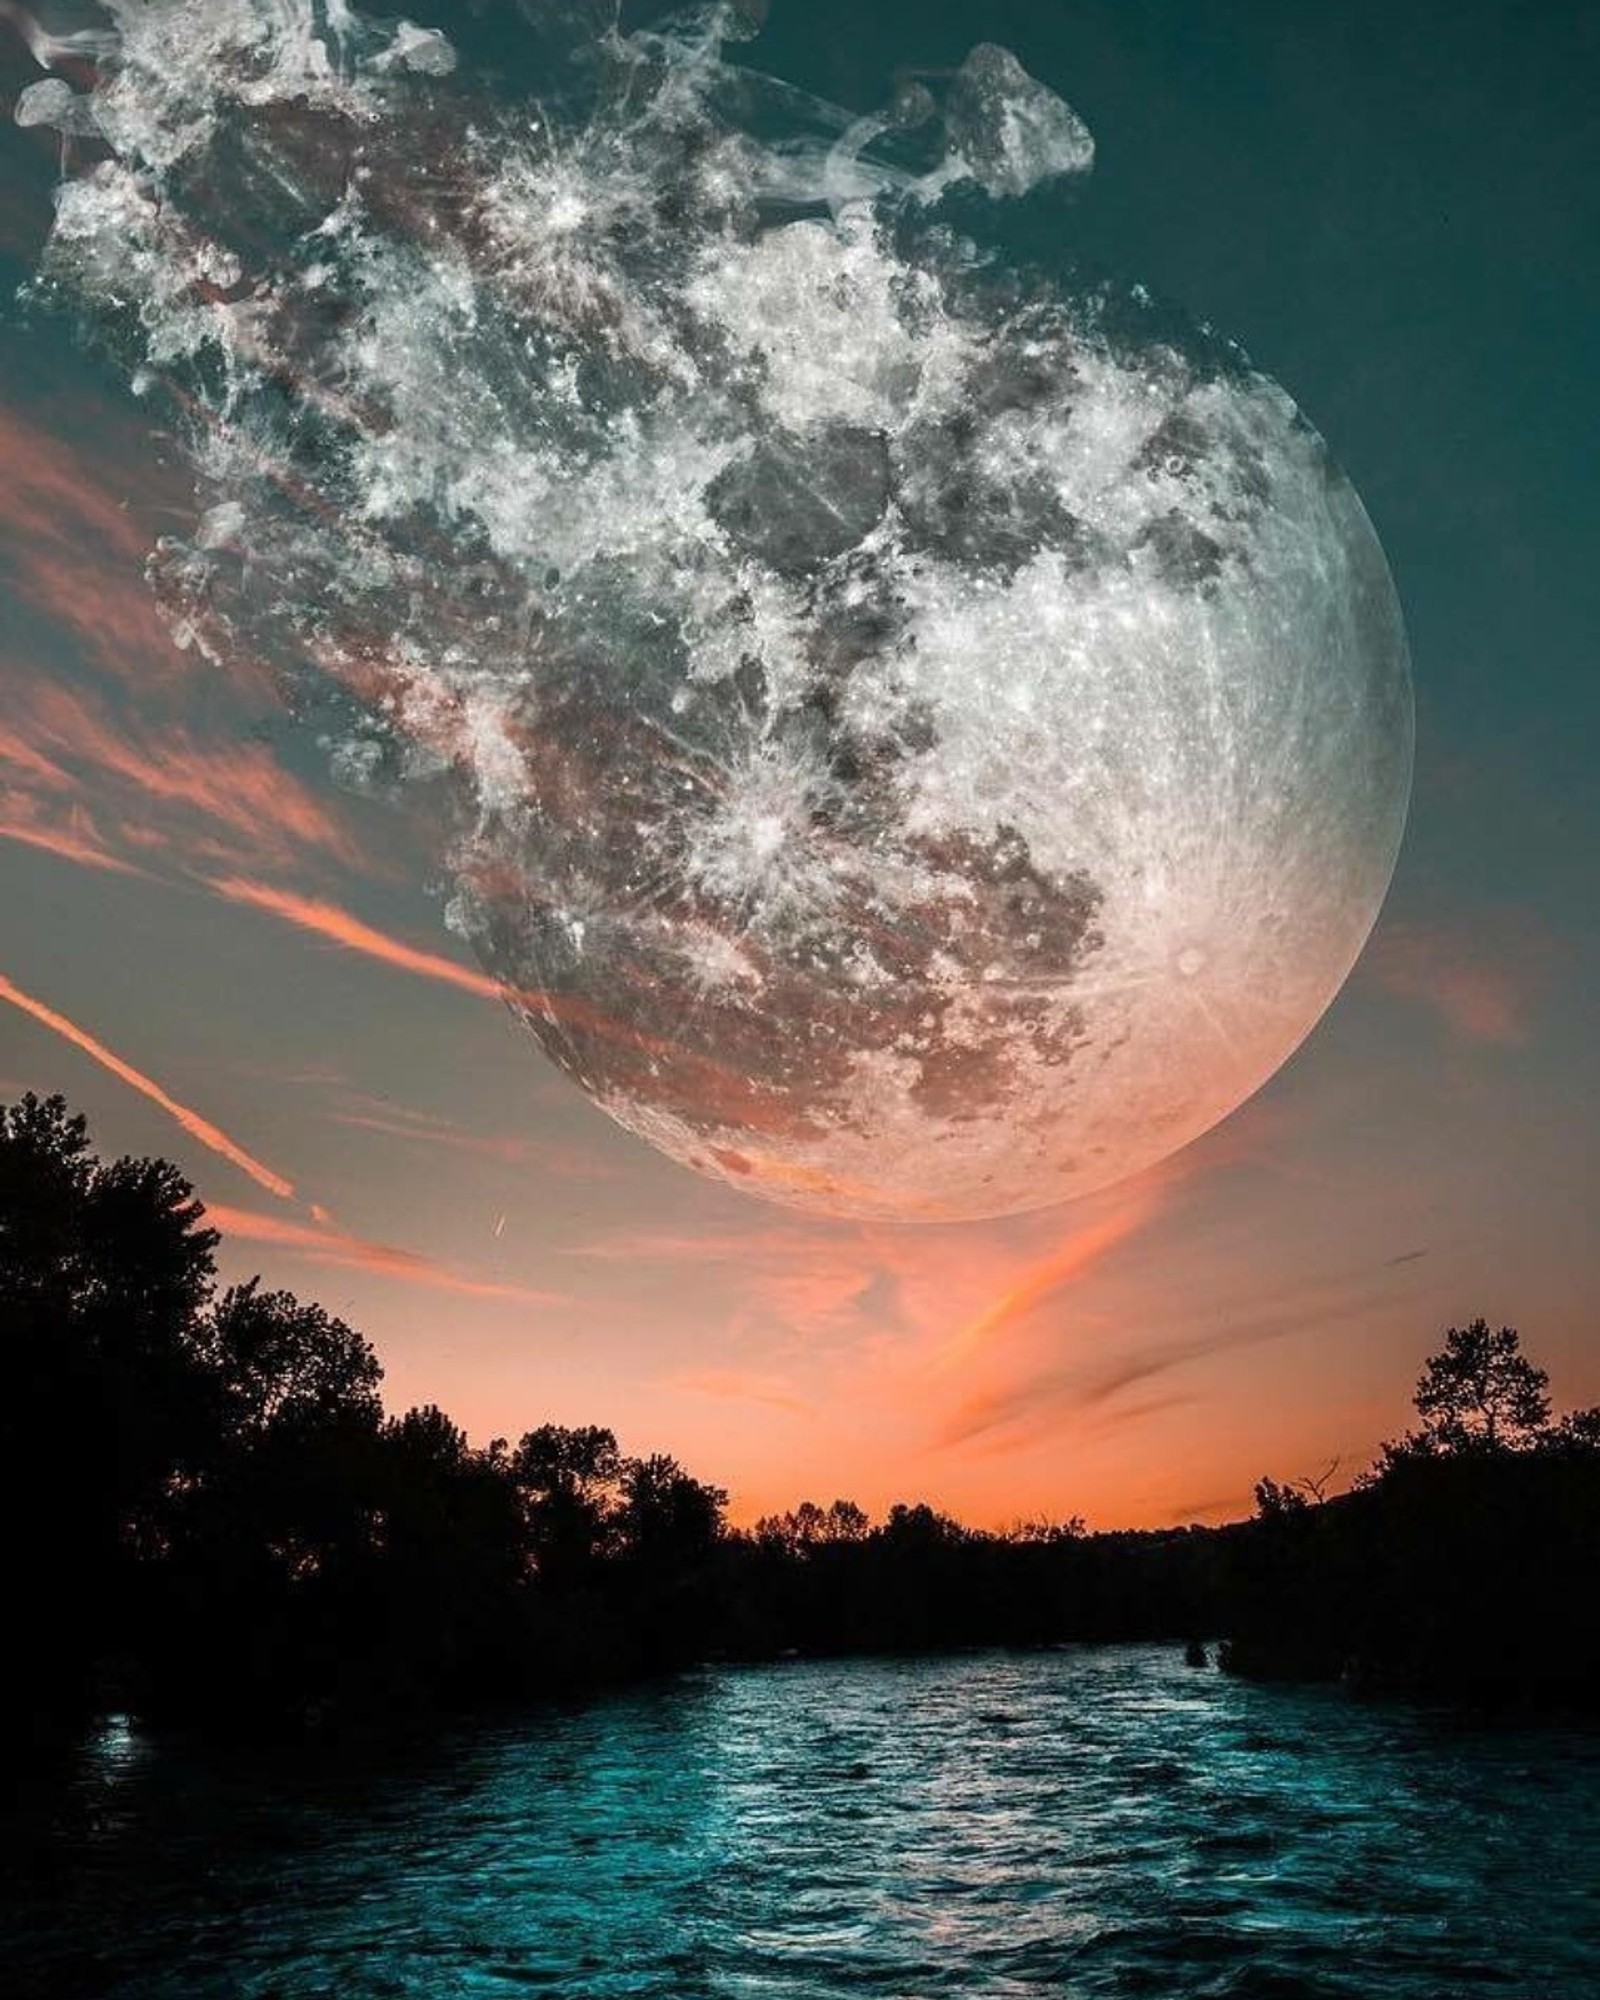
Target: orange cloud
{"type": "Point", "coordinates": [324, 1244]}
{"type": "Point", "coordinates": [1483, 983]}
{"type": "Point", "coordinates": [198, 1128]}
{"type": "Point", "coordinates": [27, 760]}
{"type": "Point", "coordinates": [233, 799]}
{"type": "Point", "coordinates": [58, 500]}
{"type": "Point", "coordinates": [169, 792]}
{"type": "Point", "coordinates": [325, 920]}
{"type": "Point", "coordinates": [76, 555]}
{"type": "Point", "coordinates": [340, 927]}
{"type": "Point", "coordinates": [735, 1385]}
{"type": "Point", "coordinates": [665, 1246]}
{"type": "Point", "coordinates": [395, 1121]}
{"type": "Point", "coordinates": [151, 738]}
{"type": "Point", "coordinates": [75, 841]}
{"type": "Point", "coordinates": [1034, 1406]}
{"type": "Point", "coordinates": [1044, 1280]}
{"type": "Point", "coordinates": [813, 1283]}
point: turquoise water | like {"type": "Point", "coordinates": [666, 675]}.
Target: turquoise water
{"type": "Point", "coordinates": [1074, 1823]}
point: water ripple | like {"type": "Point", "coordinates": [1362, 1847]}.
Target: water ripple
{"type": "Point", "coordinates": [1078, 1824]}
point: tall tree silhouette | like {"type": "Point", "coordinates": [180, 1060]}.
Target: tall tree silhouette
{"type": "Point", "coordinates": [1480, 1392]}
{"type": "Point", "coordinates": [569, 1479]}
{"type": "Point", "coordinates": [668, 1520]}
{"type": "Point", "coordinates": [280, 1362]}
{"type": "Point", "coordinates": [104, 1271]}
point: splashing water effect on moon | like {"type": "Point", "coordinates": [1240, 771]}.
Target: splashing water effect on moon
{"type": "Point", "coordinates": [926, 741]}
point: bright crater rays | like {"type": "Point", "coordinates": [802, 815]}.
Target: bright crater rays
{"type": "Point", "coordinates": [927, 739]}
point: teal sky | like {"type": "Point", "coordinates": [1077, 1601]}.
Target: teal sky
{"type": "Point", "coordinates": [1397, 213]}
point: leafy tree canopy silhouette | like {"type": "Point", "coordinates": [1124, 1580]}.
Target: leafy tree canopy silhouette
{"type": "Point", "coordinates": [279, 1361]}
{"type": "Point", "coordinates": [810, 1526]}
{"type": "Point", "coordinates": [105, 1271]}
{"type": "Point", "coordinates": [1478, 1393]}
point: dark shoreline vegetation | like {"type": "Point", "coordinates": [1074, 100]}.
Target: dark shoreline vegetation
{"type": "Point", "coordinates": [212, 1523]}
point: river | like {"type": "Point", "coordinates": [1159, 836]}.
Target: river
{"type": "Point", "coordinates": [1076, 1823]}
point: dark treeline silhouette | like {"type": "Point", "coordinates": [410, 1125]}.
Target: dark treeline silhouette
{"type": "Point", "coordinates": [210, 1519]}
{"type": "Point", "coordinates": [1465, 1564]}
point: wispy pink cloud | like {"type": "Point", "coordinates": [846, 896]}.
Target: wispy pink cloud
{"type": "Point", "coordinates": [60, 499]}
{"type": "Point", "coordinates": [810, 1282]}
{"type": "Point", "coordinates": [322, 1243]}
{"type": "Point", "coordinates": [395, 1121]}
{"type": "Point", "coordinates": [665, 1246]}
{"type": "Point", "coordinates": [737, 1385]}
{"type": "Point", "coordinates": [1045, 1281]}
{"type": "Point", "coordinates": [75, 840]}
{"type": "Point", "coordinates": [77, 755]}
{"type": "Point", "coordinates": [350, 933]}
{"type": "Point", "coordinates": [1482, 981]}
{"type": "Point", "coordinates": [1036, 1403]}
{"type": "Point", "coordinates": [201, 1129]}
{"type": "Point", "coordinates": [113, 721]}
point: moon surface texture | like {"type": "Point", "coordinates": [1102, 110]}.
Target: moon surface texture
{"type": "Point", "coordinates": [926, 736]}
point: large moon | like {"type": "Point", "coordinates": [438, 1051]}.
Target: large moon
{"type": "Point", "coordinates": [1020, 810]}
{"type": "Point", "coordinates": [931, 739]}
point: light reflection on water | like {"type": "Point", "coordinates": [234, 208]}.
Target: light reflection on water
{"type": "Point", "coordinates": [1077, 1823]}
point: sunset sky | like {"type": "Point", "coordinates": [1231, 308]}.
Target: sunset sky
{"type": "Point", "coordinates": [222, 958]}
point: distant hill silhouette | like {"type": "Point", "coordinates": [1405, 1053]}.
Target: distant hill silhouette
{"type": "Point", "coordinates": [211, 1520]}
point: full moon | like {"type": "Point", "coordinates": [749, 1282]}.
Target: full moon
{"type": "Point", "coordinates": [928, 737]}
{"type": "Point", "coordinates": [1020, 811]}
